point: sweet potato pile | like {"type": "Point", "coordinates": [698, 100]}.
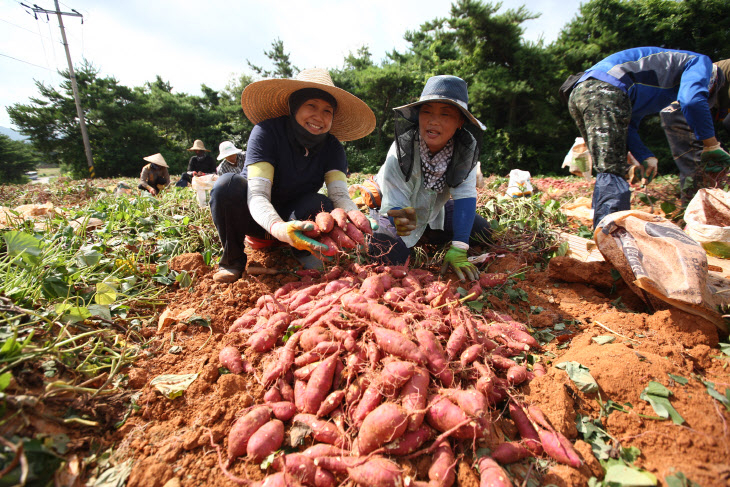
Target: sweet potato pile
{"type": "Point", "coordinates": [340, 230]}
{"type": "Point", "coordinates": [366, 366]}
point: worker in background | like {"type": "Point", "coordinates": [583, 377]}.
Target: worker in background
{"type": "Point", "coordinates": [609, 101]}
{"type": "Point", "coordinates": [232, 158]}
{"type": "Point", "coordinates": [686, 147]}
{"type": "Point", "coordinates": [155, 176]}
{"type": "Point", "coordinates": [200, 164]}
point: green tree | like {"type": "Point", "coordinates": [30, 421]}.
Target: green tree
{"type": "Point", "coordinates": [16, 158]}
{"type": "Point", "coordinates": [283, 68]}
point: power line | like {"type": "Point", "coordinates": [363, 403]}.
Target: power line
{"type": "Point", "coordinates": [26, 62]}
{"type": "Point", "coordinates": [19, 27]}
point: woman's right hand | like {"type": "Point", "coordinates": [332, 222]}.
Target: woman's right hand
{"type": "Point", "coordinates": [404, 220]}
{"type": "Point", "coordinates": [291, 233]}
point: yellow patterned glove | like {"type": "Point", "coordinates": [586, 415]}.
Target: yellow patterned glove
{"type": "Point", "coordinates": [291, 233]}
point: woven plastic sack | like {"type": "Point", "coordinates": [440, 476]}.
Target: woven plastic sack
{"type": "Point", "coordinates": [578, 159]}
{"type": "Point", "coordinates": [202, 186]}
{"type": "Point", "coordinates": [708, 221]}
{"type": "Point", "coordinates": [519, 183]}
{"type": "Point", "coordinates": [660, 263]}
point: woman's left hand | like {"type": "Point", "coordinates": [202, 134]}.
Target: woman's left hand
{"type": "Point", "coordinates": [457, 259]}
{"type": "Point", "coordinates": [291, 233]}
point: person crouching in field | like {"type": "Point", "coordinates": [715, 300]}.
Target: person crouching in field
{"type": "Point", "coordinates": [294, 148]}
{"type": "Point", "coordinates": [155, 176]}
{"type": "Point", "coordinates": [428, 180]}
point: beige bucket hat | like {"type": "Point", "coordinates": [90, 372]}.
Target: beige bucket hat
{"type": "Point", "coordinates": [156, 159]}
{"type": "Point", "coordinates": [269, 98]}
{"type": "Point", "coordinates": [198, 145]}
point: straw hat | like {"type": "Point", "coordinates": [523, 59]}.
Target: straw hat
{"type": "Point", "coordinates": [442, 89]}
{"type": "Point", "coordinates": [198, 145]}
{"type": "Point", "coordinates": [269, 98]}
{"type": "Point", "coordinates": [156, 159]}
{"type": "Point", "coordinates": [227, 148]}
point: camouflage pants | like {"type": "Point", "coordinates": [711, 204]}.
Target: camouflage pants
{"type": "Point", "coordinates": [602, 113]}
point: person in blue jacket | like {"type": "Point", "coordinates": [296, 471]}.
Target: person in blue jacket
{"type": "Point", "coordinates": [613, 96]}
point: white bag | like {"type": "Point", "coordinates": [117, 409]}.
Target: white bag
{"type": "Point", "coordinates": [578, 160]}
{"type": "Point", "coordinates": [708, 221]}
{"type": "Point", "coordinates": [519, 183]}
{"type": "Point", "coordinates": [202, 186]}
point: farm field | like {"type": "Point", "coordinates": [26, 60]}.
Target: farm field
{"type": "Point", "coordinates": [112, 329]}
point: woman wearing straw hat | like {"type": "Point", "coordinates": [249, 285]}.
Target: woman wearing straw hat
{"type": "Point", "coordinates": [293, 149]}
{"type": "Point", "coordinates": [232, 158]}
{"type": "Point", "coordinates": [428, 180]}
{"type": "Point", "coordinates": [155, 176]}
{"type": "Point", "coordinates": [200, 164]}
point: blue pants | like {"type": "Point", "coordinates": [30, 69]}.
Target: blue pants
{"type": "Point", "coordinates": [390, 249]}
{"type": "Point", "coordinates": [233, 220]}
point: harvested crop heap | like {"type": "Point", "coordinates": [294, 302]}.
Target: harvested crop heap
{"type": "Point", "coordinates": [368, 366]}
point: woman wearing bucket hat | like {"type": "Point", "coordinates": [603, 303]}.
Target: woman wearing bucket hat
{"type": "Point", "coordinates": [155, 175]}
{"type": "Point", "coordinates": [428, 180]}
{"type": "Point", "coordinates": [232, 158]}
{"type": "Point", "coordinates": [293, 149]}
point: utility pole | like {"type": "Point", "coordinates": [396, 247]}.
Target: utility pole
{"type": "Point", "coordinates": [82, 122]}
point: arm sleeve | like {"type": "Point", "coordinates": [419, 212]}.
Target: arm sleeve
{"type": "Point", "coordinates": [464, 211]}
{"type": "Point", "coordinates": [191, 166]}
{"type": "Point", "coordinates": [144, 177]}
{"type": "Point", "coordinates": [260, 180]}
{"type": "Point", "coordinates": [395, 191]}
{"type": "Point", "coordinates": [693, 94]}
{"type": "Point", "coordinates": [336, 182]}
{"type": "Point", "coordinates": [634, 143]}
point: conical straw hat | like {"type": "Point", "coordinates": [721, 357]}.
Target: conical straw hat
{"type": "Point", "coordinates": [269, 98]}
{"type": "Point", "coordinates": [156, 159]}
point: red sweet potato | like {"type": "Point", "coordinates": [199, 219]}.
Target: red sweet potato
{"type": "Point", "coordinates": [527, 431]}
{"type": "Point", "coordinates": [471, 401]}
{"type": "Point", "coordinates": [368, 402]}
{"type": "Point", "coordinates": [332, 247]}
{"type": "Point", "coordinates": [435, 355]}
{"type": "Point", "coordinates": [377, 472]}
{"type": "Point", "coordinates": [324, 450]}
{"type": "Point", "coordinates": [517, 374]}
{"type": "Point", "coordinates": [298, 465]}
{"type": "Point", "coordinates": [323, 349]}
{"type": "Point", "coordinates": [383, 425]}
{"type": "Point", "coordinates": [444, 415]}
{"type": "Point", "coordinates": [554, 443]}
{"type": "Point", "coordinates": [321, 430]}
{"type": "Point", "coordinates": [312, 336]}
{"type": "Point", "coordinates": [414, 397]}
{"type": "Point", "coordinates": [266, 440]}
{"type": "Point", "coordinates": [304, 372]}
{"type": "Point", "coordinates": [471, 354]}
{"type": "Point", "coordinates": [299, 387]}
{"type": "Point", "coordinates": [330, 403]}
{"type": "Point", "coordinates": [243, 322]}
{"type": "Point", "coordinates": [372, 287]}
{"type": "Point", "coordinates": [355, 233]}
{"type": "Point", "coordinates": [492, 279]}
{"type": "Point", "coordinates": [286, 354]}
{"type": "Point", "coordinates": [510, 452]}
{"type": "Point", "coordinates": [361, 307]}
{"type": "Point", "coordinates": [374, 354]}
{"type": "Point", "coordinates": [244, 427]}
{"type": "Point", "coordinates": [398, 345]}
{"type": "Point", "coordinates": [319, 384]}
{"type": "Point", "coordinates": [283, 410]}
{"type": "Point", "coordinates": [395, 374]}
{"type": "Point", "coordinates": [338, 285]}
{"type": "Point", "coordinates": [539, 369]}
{"type": "Point", "coordinates": [360, 221]}
{"type": "Point", "coordinates": [456, 342]}
{"type": "Point", "coordinates": [272, 395]}
{"type": "Point", "coordinates": [286, 390]}
{"type": "Point", "coordinates": [314, 232]}
{"type": "Point", "coordinates": [324, 221]}
{"type": "Point", "coordinates": [442, 469]}
{"type": "Point", "coordinates": [408, 442]}
{"type": "Point", "coordinates": [264, 340]}
{"type": "Point", "coordinates": [491, 474]}
{"type": "Point", "coordinates": [341, 239]}
{"type": "Point", "coordinates": [340, 217]}
{"type": "Point", "coordinates": [279, 479]}
{"type": "Point", "coordinates": [231, 359]}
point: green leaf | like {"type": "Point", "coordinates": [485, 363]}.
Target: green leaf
{"type": "Point", "coordinates": [668, 207]}
{"type": "Point", "coordinates": [477, 306]}
{"type": "Point", "coordinates": [604, 339]}
{"type": "Point", "coordinates": [715, 394]}
{"type": "Point", "coordinates": [184, 279]}
{"type": "Point", "coordinates": [543, 337]}
{"type": "Point", "coordinates": [5, 380]}
{"type": "Point", "coordinates": [679, 480]}
{"type": "Point", "coordinates": [268, 461]}
{"type": "Point", "coordinates": [630, 454]}
{"type": "Point", "coordinates": [88, 258]}
{"type": "Point", "coordinates": [71, 313]}
{"type": "Point", "coordinates": [580, 375]}
{"type": "Point", "coordinates": [628, 476]}
{"type": "Point", "coordinates": [658, 396]}
{"type": "Point", "coordinates": [115, 476]}
{"type": "Point", "coordinates": [724, 348]}
{"type": "Point", "coordinates": [106, 293]}
{"type": "Point", "coordinates": [24, 245]}
{"type": "Point", "coordinates": [100, 310]}
{"type": "Point", "coordinates": [171, 385]}
{"type": "Point", "coordinates": [55, 287]}
{"type": "Point", "coordinates": [679, 379]}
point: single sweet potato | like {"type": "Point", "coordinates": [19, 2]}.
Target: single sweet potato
{"type": "Point", "coordinates": [372, 287]}
{"type": "Point", "coordinates": [539, 369]}
{"type": "Point", "coordinates": [471, 354]}
{"type": "Point", "coordinates": [231, 359]}
{"type": "Point", "coordinates": [414, 397]}
{"type": "Point", "coordinates": [377, 472]}
{"type": "Point", "coordinates": [442, 470]}
{"type": "Point", "coordinates": [332, 247]}
{"type": "Point", "coordinates": [324, 221]}
{"type": "Point", "coordinates": [456, 342]}
{"type": "Point", "coordinates": [283, 410]}
{"type": "Point", "coordinates": [492, 279]}
{"type": "Point", "coordinates": [298, 465]}
{"type": "Point", "coordinates": [324, 450]}
{"type": "Point", "coordinates": [399, 345]}
{"type": "Point", "coordinates": [471, 401]}
{"type": "Point", "coordinates": [360, 221]}
{"type": "Point", "coordinates": [323, 431]}
{"type": "Point", "coordinates": [395, 374]}
{"type": "Point", "coordinates": [330, 403]}
{"type": "Point", "coordinates": [272, 395]}
{"type": "Point", "coordinates": [384, 424]}
{"type": "Point", "coordinates": [266, 440]}
{"type": "Point", "coordinates": [527, 431]}
{"type": "Point", "coordinates": [368, 402]}
{"type": "Point", "coordinates": [355, 234]}
{"type": "Point", "coordinates": [314, 232]}
{"type": "Point", "coordinates": [435, 355]}
{"type": "Point", "coordinates": [510, 452]}
{"type": "Point", "coordinates": [517, 374]}
{"type": "Point", "coordinates": [340, 217]}
{"type": "Point", "coordinates": [244, 427]}
{"type": "Point", "coordinates": [491, 474]}
{"type": "Point", "coordinates": [341, 239]}
{"type": "Point", "coordinates": [444, 415]}
{"type": "Point", "coordinates": [408, 442]}
{"type": "Point", "coordinates": [319, 384]}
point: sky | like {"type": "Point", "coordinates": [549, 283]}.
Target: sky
{"type": "Point", "coordinates": [189, 43]}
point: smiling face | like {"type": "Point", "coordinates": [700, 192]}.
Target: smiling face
{"type": "Point", "coordinates": [437, 123]}
{"type": "Point", "coordinates": [316, 116]}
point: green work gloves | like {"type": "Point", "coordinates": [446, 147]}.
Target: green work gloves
{"type": "Point", "coordinates": [291, 233]}
{"type": "Point", "coordinates": [715, 155]}
{"type": "Point", "coordinates": [456, 258]}
{"type": "Point", "coordinates": [404, 220]}
{"type": "Point", "coordinates": [373, 224]}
